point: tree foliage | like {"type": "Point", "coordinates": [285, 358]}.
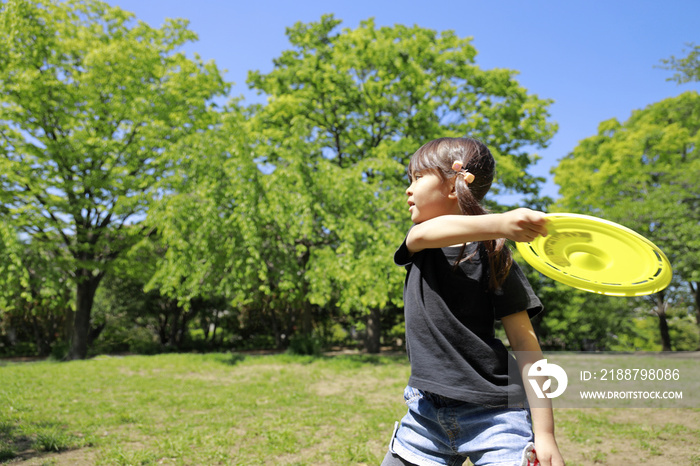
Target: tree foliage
{"type": "Point", "coordinates": [687, 69]}
{"type": "Point", "coordinates": [643, 173]}
{"type": "Point", "coordinates": [382, 92]}
{"type": "Point", "coordinates": [344, 112]}
{"type": "Point", "coordinates": [292, 209]}
{"type": "Point", "coordinates": [277, 222]}
{"type": "Point", "coordinates": [90, 104]}
{"type": "Point", "coordinates": [35, 296]}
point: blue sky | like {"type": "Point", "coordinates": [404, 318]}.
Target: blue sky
{"type": "Point", "coordinates": [596, 59]}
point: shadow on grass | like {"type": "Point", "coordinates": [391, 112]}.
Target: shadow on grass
{"type": "Point", "coordinates": [365, 358]}
{"type": "Point", "coordinates": [230, 359]}
{"type": "Point", "coordinates": [349, 358]}
{"type": "Point", "coordinates": [235, 358]}
{"type": "Point", "coordinates": [353, 358]}
{"type": "Point", "coordinates": [32, 441]}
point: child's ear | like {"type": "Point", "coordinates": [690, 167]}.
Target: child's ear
{"type": "Point", "coordinates": [453, 190]}
{"type": "Point", "coordinates": [452, 195]}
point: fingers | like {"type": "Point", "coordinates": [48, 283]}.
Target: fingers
{"type": "Point", "coordinates": [538, 227]}
{"type": "Point", "coordinates": [529, 225]}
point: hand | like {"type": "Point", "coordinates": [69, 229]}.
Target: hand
{"type": "Point", "coordinates": [524, 225]}
{"type": "Point", "coordinates": [547, 451]}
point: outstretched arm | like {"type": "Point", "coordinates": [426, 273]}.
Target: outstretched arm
{"type": "Point", "coordinates": [522, 339]}
{"type": "Point", "coordinates": [447, 230]}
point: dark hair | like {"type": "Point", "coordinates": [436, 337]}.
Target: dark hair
{"type": "Point", "coordinates": [437, 156]}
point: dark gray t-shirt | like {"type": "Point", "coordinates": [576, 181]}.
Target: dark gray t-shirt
{"type": "Point", "coordinates": [450, 316]}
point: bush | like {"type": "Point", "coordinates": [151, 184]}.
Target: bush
{"type": "Point", "coordinates": [305, 345]}
{"type": "Point", "coordinates": [60, 350]}
{"type": "Point", "coordinates": [684, 334]}
{"type": "Point", "coordinates": [121, 336]}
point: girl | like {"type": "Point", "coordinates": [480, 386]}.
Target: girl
{"type": "Point", "coordinates": [460, 278]}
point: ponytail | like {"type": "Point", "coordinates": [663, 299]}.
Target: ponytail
{"type": "Point", "coordinates": [500, 258]}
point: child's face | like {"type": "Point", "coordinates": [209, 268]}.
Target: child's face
{"type": "Point", "coordinates": [430, 197]}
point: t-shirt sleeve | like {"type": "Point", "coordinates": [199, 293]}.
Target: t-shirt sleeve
{"type": "Point", "coordinates": [402, 256]}
{"type": "Point", "coordinates": [516, 295]}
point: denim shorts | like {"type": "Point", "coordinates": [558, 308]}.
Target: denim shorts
{"type": "Point", "coordinates": [442, 431]}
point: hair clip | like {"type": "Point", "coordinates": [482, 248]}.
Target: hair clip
{"type": "Point", "coordinates": [457, 166]}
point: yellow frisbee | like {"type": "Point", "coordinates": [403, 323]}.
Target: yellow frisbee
{"type": "Point", "coordinates": [599, 256]}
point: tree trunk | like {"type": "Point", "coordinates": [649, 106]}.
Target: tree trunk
{"type": "Point", "coordinates": [307, 324]}
{"type": "Point", "coordinates": [85, 296]}
{"type": "Point", "coordinates": [163, 319]}
{"type": "Point", "coordinates": [374, 331]}
{"type": "Point", "coordinates": [307, 321]}
{"type": "Point", "coordinates": [213, 327]}
{"type": "Point", "coordinates": [695, 288]}
{"type": "Point", "coordinates": [42, 346]}
{"type": "Point", "coordinates": [663, 323]}
{"type": "Point", "coordinates": [68, 324]}
{"type": "Point", "coordinates": [279, 343]}
{"type": "Point", "coordinates": [174, 340]}
{"type": "Point", "coordinates": [183, 333]}
{"type": "Point", "coordinates": [95, 332]}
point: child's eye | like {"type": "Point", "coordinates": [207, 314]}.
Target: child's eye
{"type": "Point", "coordinates": [413, 177]}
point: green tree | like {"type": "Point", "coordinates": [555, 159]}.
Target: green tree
{"type": "Point", "coordinates": [292, 209]}
{"type": "Point", "coordinates": [90, 103]}
{"type": "Point", "coordinates": [345, 110]}
{"type": "Point", "coordinates": [644, 174]}
{"type": "Point", "coordinates": [215, 235]}
{"type": "Point", "coordinates": [35, 299]}
{"type": "Point", "coordinates": [687, 68]}
{"type": "Point", "coordinates": [149, 321]}
{"type": "Point", "coordinates": [382, 92]}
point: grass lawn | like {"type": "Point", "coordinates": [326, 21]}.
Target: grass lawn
{"type": "Point", "coordinates": [189, 409]}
